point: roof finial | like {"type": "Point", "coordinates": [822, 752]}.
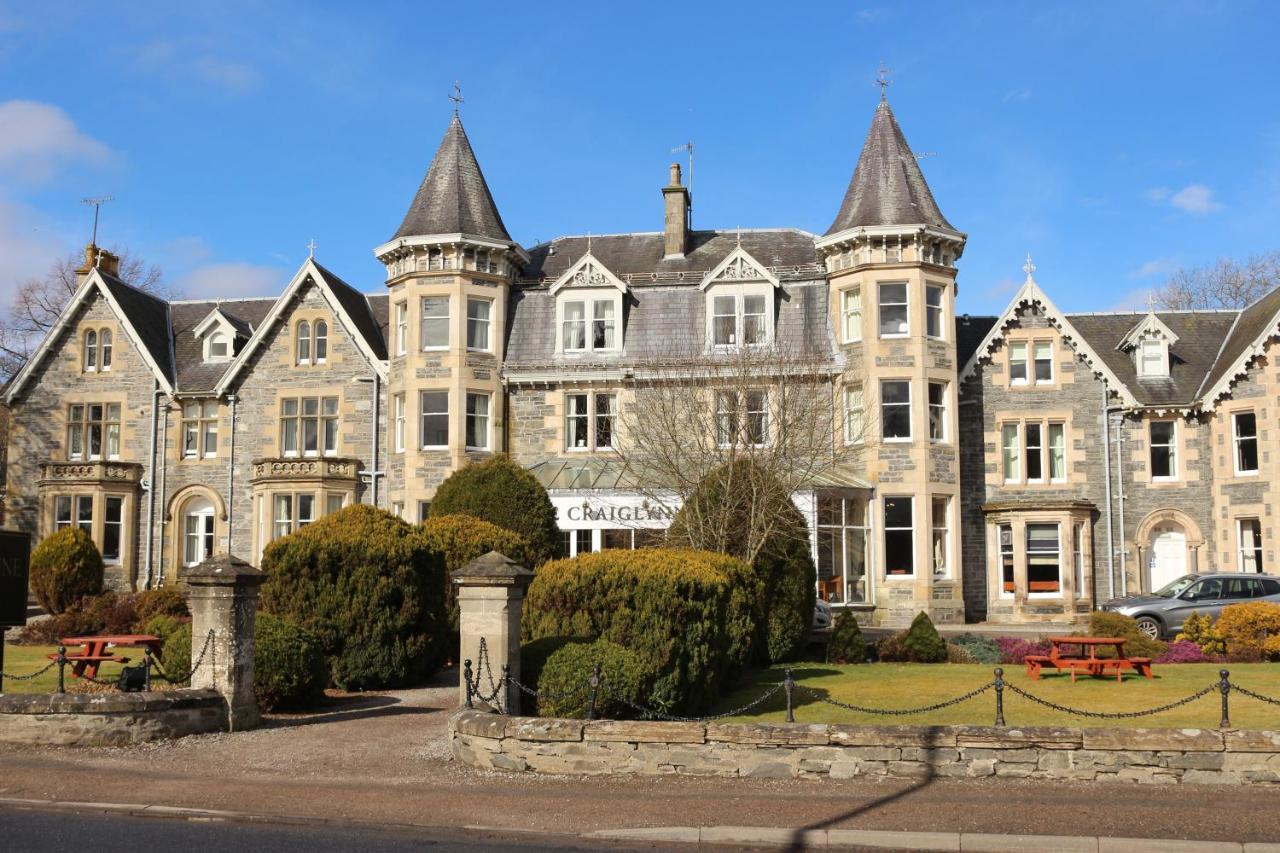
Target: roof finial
{"type": "Point", "coordinates": [1151, 302]}
{"type": "Point", "coordinates": [1029, 268]}
{"type": "Point", "coordinates": [311, 248]}
{"type": "Point", "coordinates": [456, 96]}
{"type": "Point", "coordinates": [588, 242]}
{"type": "Point", "coordinates": [739, 236]}
{"type": "Point", "coordinates": [883, 81]}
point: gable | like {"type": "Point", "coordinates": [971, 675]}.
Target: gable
{"type": "Point", "coordinates": [588, 272]}
{"type": "Point", "coordinates": [739, 266]}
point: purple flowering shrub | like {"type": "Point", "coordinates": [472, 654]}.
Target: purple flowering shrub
{"type": "Point", "coordinates": [1184, 651]}
{"type": "Point", "coordinates": [1015, 649]}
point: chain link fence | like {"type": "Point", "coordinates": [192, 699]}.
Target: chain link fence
{"type": "Point", "coordinates": [500, 697]}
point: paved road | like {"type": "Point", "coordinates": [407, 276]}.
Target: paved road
{"type": "Point", "coordinates": [33, 831]}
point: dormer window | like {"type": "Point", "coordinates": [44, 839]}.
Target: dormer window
{"type": "Point", "coordinates": [1153, 358]}
{"type": "Point", "coordinates": [219, 346]}
{"type": "Point", "coordinates": [740, 302]}
{"type": "Point", "coordinates": [1148, 345]}
{"type": "Point", "coordinates": [589, 308]}
{"type": "Point", "coordinates": [220, 338]}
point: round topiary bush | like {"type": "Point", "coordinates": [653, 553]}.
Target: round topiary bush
{"type": "Point", "coordinates": [289, 667]}
{"type": "Point", "coordinates": [369, 588]}
{"type": "Point", "coordinates": [501, 492]}
{"type": "Point", "coordinates": [847, 644]}
{"type": "Point", "coordinates": [564, 685]}
{"type": "Point", "coordinates": [726, 513]}
{"type": "Point", "coordinates": [688, 615]}
{"type": "Point", "coordinates": [65, 567]}
{"type": "Point", "coordinates": [922, 641]}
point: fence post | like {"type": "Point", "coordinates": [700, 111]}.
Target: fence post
{"type": "Point", "coordinates": [506, 690]}
{"type": "Point", "coordinates": [146, 671]}
{"type": "Point", "coordinates": [1224, 684]}
{"type": "Point", "coordinates": [223, 594]}
{"type": "Point", "coordinates": [62, 669]}
{"type": "Point", "coordinates": [490, 596]}
{"type": "Point", "coordinates": [789, 685]}
{"type": "Point", "coordinates": [595, 688]}
{"type": "Point", "coordinates": [999, 696]}
{"type": "Point", "coordinates": [466, 681]}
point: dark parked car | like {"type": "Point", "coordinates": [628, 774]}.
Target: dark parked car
{"type": "Point", "coordinates": [1161, 613]}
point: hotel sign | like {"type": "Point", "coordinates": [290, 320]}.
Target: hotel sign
{"type": "Point", "coordinates": [612, 510]}
{"type": "Point", "coordinates": [15, 560]}
{"type": "Point", "coordinates": [623, 514]}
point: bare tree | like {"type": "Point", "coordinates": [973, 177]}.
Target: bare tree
{"type": "Point", "coordinates": [1227, 283]}
{"type": "Point", "coordinates": [688, 417]}
{"type": "Point", "coordinates": [38, 303]}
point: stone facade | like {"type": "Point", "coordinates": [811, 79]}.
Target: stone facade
{"type": "Point", "coordinates": [815, 751]}
{"type": "Point", "coordinates": [109, 719]}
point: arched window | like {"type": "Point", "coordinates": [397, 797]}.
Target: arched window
{"type": "Point", "coordinates": [197, 531]}
{"type": "Point", "coordinates": [90, 350]}
{"type": "Point", "coordinates": [105, 341]}
{"type": "Point", "coordinates": [304, 342]}
{"type": "Point", "coordinates": [218, 346]}
{"type": "Point", "coordinates": [322, 341]}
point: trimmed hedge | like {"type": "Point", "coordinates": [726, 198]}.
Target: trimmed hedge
{"type": "Point", "coordinates": [370, 589]}
{"type": "Point", "coordinates": [564, 688]}
{"type": "Point", "coordinates": [501, 492]}
{"type": "Point", "coordinates": [1136, 644]}
{"type": "Point", "coordinates": [687, 615]}
{"type": "Point", "coordinates": [65, 567]}
{"type": "Point", "coordinates": [847, 644]}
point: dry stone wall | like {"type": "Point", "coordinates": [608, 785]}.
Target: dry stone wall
{"type": "Point", "coordinates": [109, 719]}
{"type": "Point", "coordinates": [796, 750]}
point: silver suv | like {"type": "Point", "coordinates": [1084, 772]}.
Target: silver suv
{"type": "Point", "coordinates": [1161, 613]}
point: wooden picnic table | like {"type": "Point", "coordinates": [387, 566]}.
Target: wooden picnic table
{"type": "Point", "coordinates": [1085, 658]}
{"type": "Point", "coordinates": [97, 651]}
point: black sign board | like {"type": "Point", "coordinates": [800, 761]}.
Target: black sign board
{"type": "Point", "coordinates": [15, 560]}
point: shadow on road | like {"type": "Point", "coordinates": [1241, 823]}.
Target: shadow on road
{"type": "Point", "coordinates": [345, 708]}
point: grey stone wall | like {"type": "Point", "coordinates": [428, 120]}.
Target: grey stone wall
{"type": "Point", "coordinates": [109, 719]}
{"type": "Point", "coordinates": [531, 422]}
{"type": "Point", "coordinates": [798, 750]}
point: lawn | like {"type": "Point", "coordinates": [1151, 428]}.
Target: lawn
{"type": "Point", "coordinates": [895, 685]}
{"type": "Point", "coordinates": [21, 660]}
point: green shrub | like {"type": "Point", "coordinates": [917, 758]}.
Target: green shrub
{"type": "Point", "coordinates": [564, 686]}
{"type": "Point", "coordinates": [165, 601]}
{"type": "Point", "coordinates": [289, 667]}
{"type": "Point", "coordinates": [501, 492]}
{"type": "Point", "coordinates": [958, 654]}
{"type": "Point", "coordinates": [1251, 630]}
{"type": "Point", "coordinates": [175, 654]}
{"type": "Point", "coordinates": [847, 645]}
{"type": "Point", "coordinates": [688, 615]}
{"type": "Point", "coordinates": [1199, 629]}
{"type": "Point", "coordinates": [110, 613]}
{"type": "Point", "coordinates": [892, 648]}
{"type": "Point", "coordinates": [459, 539]}
{"type": "Point", "coordinates": [721, 514]}
{"type": "Point", "coordinates": [65, 567]}
{"type": "Point", "coordinates": [980, 649]}
{"type": "Point", "coordinates": [162, 626]}
{"type": "Point", "coordinates": [1136, 645]}
{"type": "Point", "coordinates": [922, 642]}
{"type": "Point", "coordinates": [369, 588]}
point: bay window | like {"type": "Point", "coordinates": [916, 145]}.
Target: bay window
{"type": "Point", "coordinates": [478, 311]}
{"type": "Point", "coordinates": [894, 310]}
{"type": "Point", "coordinates": [1007, 582]}
{"type": "Point", "coordinates": [1044, 560]}
{"type": "Point", "coordinates": [895, 410]}
{"type": "Point", "coordinates": [842, 549]}
{"type": "Point", "coordinates": [1077, 555]}
{"type": "Point", "coordinates": [855, 419]}
{"type": "Point", "coordinates": [933, 311]}
{"type": "Point", "coordinates": [851, 314]}
{"type": "Point", "coordinates": [1164, 454]}
{"type": "Point", "coordinates": [112, 527]}
{"type": "Point", "coordinates": [937, 411]}
{"type": "Point", "coordinates": [899, 537]}
{"type": "Point", "coordinates": [1244, 432]}
{"type": "Point", "coordinates": [433, 431]}
{"type": "Point", "coordinates": [477, 421]}
{"type": "Point", "coordinates": [433, 325]}
{"type": "Point", "coordinates": [940, 553]}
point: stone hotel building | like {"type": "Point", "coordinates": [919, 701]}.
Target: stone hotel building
{"type": "Point", "coordinates": [1017, 468]}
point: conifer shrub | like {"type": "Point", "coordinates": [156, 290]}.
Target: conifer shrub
{"type": "Point", "coordinates": [1251, 630]}
{"type": "Point", "coordinates": [687, 615]}
{"type": "Point", "coordinates": [175, 654]}
{"type": "Point", "coordinates": [564, 685]}
{"type": "Point", "coordinates": [368, 587]}
{"type": "Point", "coordinates": [65, 567]}
{"type": "Point", "coordinates": [847, 644]}
{"type": "Point", "coordinates": [289, 667]}
{"type": "Point", "coordinates": [1136, 644]}
{"type": "Point", "coordinates": [501, 492]}
{"type": "Point", "coordinates": [726, 509]}
{"type": "Point", "coordinates": [922, 642]}
{"type": "Point", "coordinates": [980, 649]}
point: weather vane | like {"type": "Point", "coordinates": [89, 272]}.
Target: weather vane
{"type": "Point", "coordinates": [883, 81]}
{"type": "Point", "coordinates": [97, 204]}
{"type": "Point", "coordinates": [456, 96]}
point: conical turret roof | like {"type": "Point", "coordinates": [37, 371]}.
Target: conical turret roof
{"type": "Point", "coordinates": [453, 197]}
{"type": "Point", "coordinates": [887, 187]}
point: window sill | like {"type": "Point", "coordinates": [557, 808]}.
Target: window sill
{"type": "Point", "coordinates": [471, 449]}
{"type": "Point", "coordinates": [444, 348]}
{"type": "Point", "coordinates": [1247, 474]}
{"type": "Point", "coordinates": [436, 447]}
{"type": "Point", "coordinates": [887, 440]}
{"type": "Point", "coordinates": [895, 336]}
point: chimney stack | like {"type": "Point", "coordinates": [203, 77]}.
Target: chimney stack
{"type": "Point", "coordinates": [675, 197]}
{"type": "Point", "coordinates": [95, 257]}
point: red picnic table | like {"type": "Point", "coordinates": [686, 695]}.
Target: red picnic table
{"type": "Point", "coordinates": [1080, 654]}
{"type": "Point", "coordinates": [97, 651]}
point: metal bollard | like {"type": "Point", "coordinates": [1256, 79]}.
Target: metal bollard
{"type": "Point", "coordinates": [1224, 684]}
{"type": "Point", "coordinates": [62, 669]}
{"type": "Point", "coordinates": [595, 688]}
{"type": "Point", "coordinates": [146, 672]}
{"type": "Point", "coordinates": [466, 679]}
{"type": "Point", "coordinates": [999, 696]}
{"type": "Point", "coordinates": [789, 686]}
{"type": "Point", "coordinates": [506, 690]}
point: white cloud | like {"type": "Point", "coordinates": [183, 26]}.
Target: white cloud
{"type": "Point", "coordinates": [1155, 266]}
{"type": "Point", "coordinates": [1015, 95]}
{"type": "Point", "coordinates": [40, 139]}
{"type": "Point", "coordinates": [1196, 198]}
{"type": "Point", "coordinates": [190, 57]}
{"type": "Point", "coordinates": [1157, 195]}
{"type": "Point", "coordinates": [235, 77]}
{"type": "Point", "coordinates": [1134, 300]}
{"type": "Point", "coordinates": [231, 280]}
{"type": "Point", "coordinates": [29, 246]}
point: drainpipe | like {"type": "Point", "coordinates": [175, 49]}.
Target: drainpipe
{"type": "Point", "coordinates": [373, 480]}
{"type": "Point", "coordinates": [164, 468]}
{"type": "Point", "coordinates": [1106, 467]}
{"type": "Point", "coordinates": [151, 487]}
{"type": "Point", "coordinates": [231, 473]}
{"type": "Point", "coordinates": [1124, 563]}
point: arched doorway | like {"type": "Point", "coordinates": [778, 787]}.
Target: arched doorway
{"type": "Point", "coordinates": [1168, 556]}
{"type": "Point", "coordinates": [1169, 544]}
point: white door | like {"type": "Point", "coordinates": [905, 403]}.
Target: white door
{"type": "Point", "coordinates": [1168, 555]}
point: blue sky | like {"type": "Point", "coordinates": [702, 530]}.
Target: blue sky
{"type": "Point", "coordinates": [1113, 141]}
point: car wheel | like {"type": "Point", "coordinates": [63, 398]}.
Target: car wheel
{"type": "Point", "coordinates": [1149, 626]}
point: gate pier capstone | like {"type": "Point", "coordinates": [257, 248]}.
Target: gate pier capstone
{"type": "Point", "coordinates": [223, 597]}
{"type": "Point", "coordinates": [490, 594]}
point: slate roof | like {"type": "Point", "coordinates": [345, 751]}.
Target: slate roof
{"type": "Point", "coordinates": [193, 373]}
{"type": "Point", "coordinates": [356, 305]}
{"type": "Point", "coordinates": [149, 316]}
{"type": "Point", "coordinates": [1191, 359]}
{"type": "Point", "coordinates": [453, 197]}
{"type": "Point", "coordinates": [970, 332]}
{"type": "Point", "coordinates": [887, 187]}
{"type": "Point", "coordinates": [641, 254]}
{"type": "Point", "coordinates": [1253, 321]}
